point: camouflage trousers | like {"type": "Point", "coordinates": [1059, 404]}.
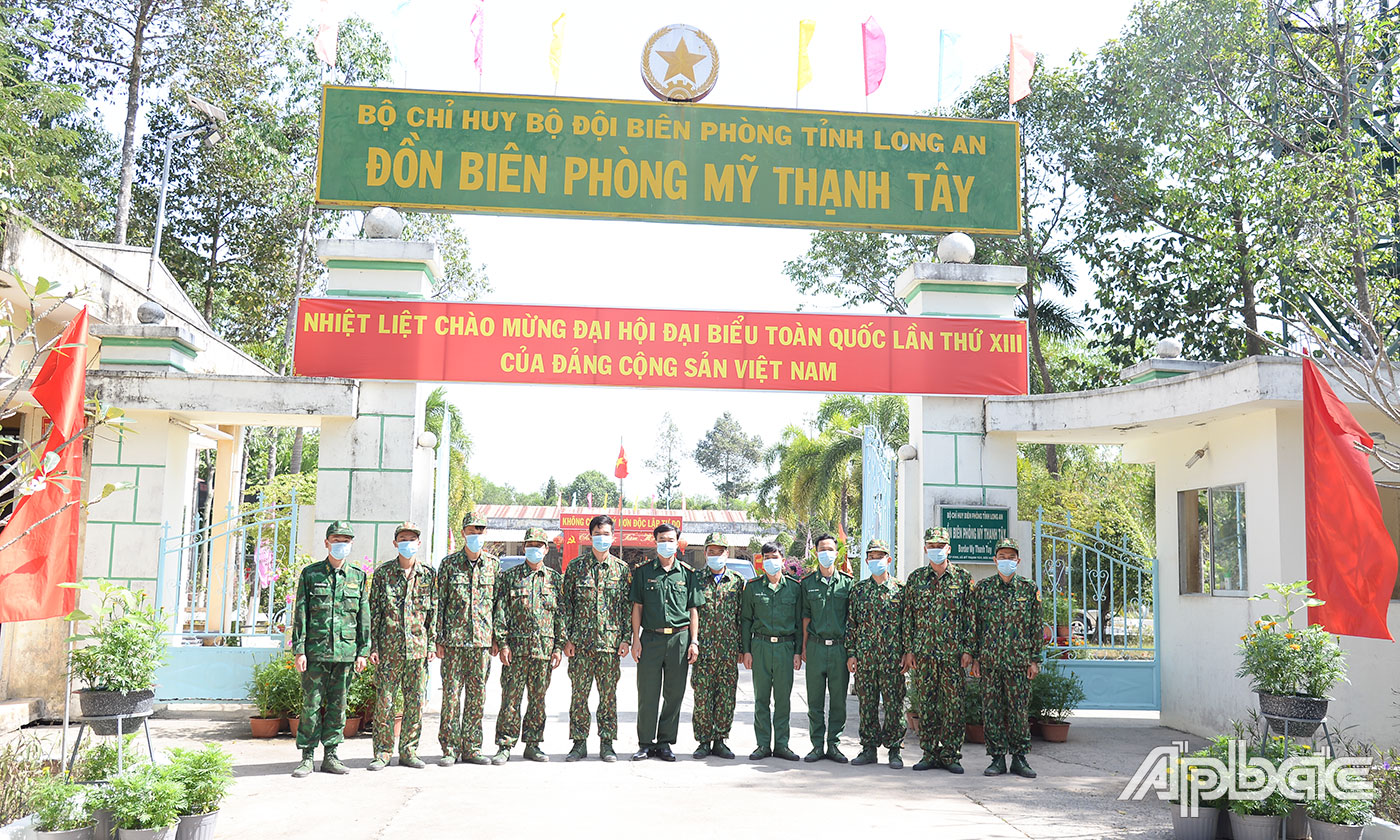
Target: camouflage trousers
{"type": "Point", "coordinates": [586, 669]}
{"type": "Point", "coordinates": [405, 679]}
{"type": "Point", "coordinates": [880, 688]}
{"type": "Point", "coordinates": [464, 672]}
{"type": "Point", "coordinates": [714, 681]}
{"type": "Point", "coordinates": [523, 677]}
{"type": "Point", "coordinates": [323, 689]}
{"type": "Point", "coordinates": [937, 688]}
{"type": "Point", "coordinates": [1006, 698]}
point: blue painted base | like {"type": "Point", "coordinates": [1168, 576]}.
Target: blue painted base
{"type": "Point", "coordinates": [210, 673]}
{"type": "Point", "coordinates": [1114, 684]}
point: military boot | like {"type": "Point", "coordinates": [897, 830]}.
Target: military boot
{"type": "Point", "coordinates": [834, 753]}
{"type": "Point", "coordinates": [579, 752]}
{"type": "Point", "coordinates": [722, 750]}
{"type": "Point", "coordinates": [928, 762]}
{"type": "Point", "coordinates": [379, 763]}
{"type": "Point", "coordinates": [954, 766]}
{"type": "Point", "coordinates": [501, 757]}
{"type": "Point", "coordinates": [411, 760]}
{"type": "Point", "coordinates": [702, 751]}
{"type": "Point", "coordinates": [605, 751]}
{"type": "Point", "coordinates": [1021, 768]}
{"type": "Point", "coordinates": [815, 754]}
{"type": "Point", "coordinates": [447, 760]}
{"type": "Point", "coordinates": [475, 758]}
{"type": "Point", "coordinates": [331, 763]}
{"type": "Point", "coordinates": [896, 762]}
{"type": "Point", "coordinates": [534, 753]}
{"type": "Point", "coordinates": [997, 767]}
{"type": "Point", "coordinates": [867, 756]}
{"type": "Point", "coordinates": [307, 765]}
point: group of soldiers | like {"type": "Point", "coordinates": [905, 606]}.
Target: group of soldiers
{"type": "Point", "coordinates": [675, 623]}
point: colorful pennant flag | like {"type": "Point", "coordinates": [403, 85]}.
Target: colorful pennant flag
{"type": "Point", "coordinates": [872, 48]}
{"type": "Point", "coordinates": [478, 30]}
{"type": "Point", "coordinates": [556, 47]}
{"type": "Point", "coordinates": [949, 66]}
{"type": "Point", "coordinates": [804, 64]}
{"type": "Point", "coordinates": [327, 27]}
{"type": "Point", "coordinates": [1022, 68]}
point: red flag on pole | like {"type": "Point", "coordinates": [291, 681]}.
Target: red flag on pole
{"type": "Point", "coordinates": [872, 48]}
{"type": "Point", "coordinates": [33, 567]}
{"type": "Point", "coordinates": [620, 470]}
{"type": "Point", "coordinates": [1022, 68]}
{"type": "Point", "coordinates": [1351, 558]}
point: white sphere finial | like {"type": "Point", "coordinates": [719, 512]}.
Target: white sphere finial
{"type": "Point", "coordinates": [956, 247]}
{"type": "Point", "coordinates": [427, 440]}
{"type": "Point", "coordinates": [384, 223]}
{"type": "Point", "coordinates": [1169, 348]}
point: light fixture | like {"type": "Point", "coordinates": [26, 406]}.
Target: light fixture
{"type": "Point", "coordinates": [1196, 456]}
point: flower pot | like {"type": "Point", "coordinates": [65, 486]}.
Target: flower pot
{"type": "Point", "coordinates": [283, 725]}
{"type": "Point", "coordinates": [1054, 731]}
{"type": "Point", "coordinates": [1036, 728]}
{"type": "Point", "coordinates": [1332, 831]}
{"type": "Point", "coordinates": [102, 828]}
{"type": "Point", "coordinates": [913, 721]}
{"type": "Point", "coordinates": [1295, 825]}
{"type": "Point", "coordinates": [1307, 713]}
{"type": "Point", "coordinates": [197, 826]}
{"type": "Point", "coordinates": [84, 833]}
{"type": "Point", "coordinates": [95, 703]}
{"type": "Point", "coordinates": [264, 727]}
{"type": "Point", "coordinates": [20, 829]}
{"type": "Point", "coordinates": [162, 833]}
{"type": "Point", "coordinates": [1200, 827]}
{"type": "Point", "coordinates": [293, 724]}
{"type": "Point", "coordinates": [1255, 826]}
{"type": "Point", "coordinates": [975, 733]}
{"type": "Point", "coordinates": [352, 727]}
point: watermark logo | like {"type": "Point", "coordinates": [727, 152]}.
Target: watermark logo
{"type": "Point", "coordinates": [1192, 779]}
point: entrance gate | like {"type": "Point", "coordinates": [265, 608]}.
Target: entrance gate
{"type": "Point", "coordinates": [877, 494]}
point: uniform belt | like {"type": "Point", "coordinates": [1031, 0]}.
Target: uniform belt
{"type": "Point", "coordinates": [776, 639]}
{"type": "Point", "coordinates": [667, 631]}
{"type": "Point", "coordinates": [830, 642]}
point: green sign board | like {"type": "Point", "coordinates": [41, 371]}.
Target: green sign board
{"type": "Point", "coordinates": [660, 161]}
{"type": "Point", "coordinates": [974, 531]}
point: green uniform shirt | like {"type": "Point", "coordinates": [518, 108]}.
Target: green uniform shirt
{"type": "Point", "coordinates": [826, 602]}
{"type": "Point", "coordinates": [768, 611]}
{"type": "Point", "coordinates": [466, 599]}
{"type": "Point", "coordinates": [403, 608]}
{"type": "Point", "coordinates": [597, 603]}
{"type": "Point", "coordinates": [666, 596]}
{"type": "Point", "coordinates": [936, 619]}
{"type": "Point", "coordinates": [719, 614]}
{"type": "Point", "coordinates": [872, 629]}
{"type": "Point", "coordinates": [330, 619]}
{"type": "Point", "coordinates": [1008, 623]}
{"type": "Point", "coordinates": [529, 617]}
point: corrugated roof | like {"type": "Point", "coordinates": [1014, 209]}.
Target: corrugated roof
{"type": "Point", "coordinates": [552, 512]}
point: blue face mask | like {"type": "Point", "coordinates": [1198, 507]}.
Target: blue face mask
{"type": "Point", "coordinates": [666, 550]}
{"type": "Point", "coordinates": [1007, 566]}
{"type": "Point", "coordinates": [340, 550]}
{"type": "Point", "coordinates": [715, 562]}
{"type": "Point", "coordinates": [602, 542]}
{"type": "Point", "coordinates": [475, 542]}
{"type": "Point", "coordinates": [534, 554]}
{"type": "Point", "coordinates": [772, 565]}
{"type": "Point", "coordinates": [937, 556]}
{"type": "Point", "coordinates": [407, 548]}
{"type": "Point", "coordinates": [878, 567]}
{"type": "Point", "coordinates": [826, 558]}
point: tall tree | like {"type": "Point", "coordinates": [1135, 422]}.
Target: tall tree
{"type": "Point", "coordinates": [666, 462]}
{"type": "Point", "coordinates": [591, 482]}
{"type": "Point", "coordinates": [728, 456]}
{"type": "Point", "coordinates": [438, 410]}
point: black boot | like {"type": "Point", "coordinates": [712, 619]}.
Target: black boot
{"type": "Point", "coordinates": [1021, 768]}
{"type": "Point", "coordinates": [997, 767]}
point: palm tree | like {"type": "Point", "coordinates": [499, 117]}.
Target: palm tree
{"type": "Point", "coordinates": [459, 479]}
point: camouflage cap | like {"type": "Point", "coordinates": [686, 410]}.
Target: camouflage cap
{"type": "Point", "coordinates": [472, 518]}
{"type": "Point", "coordinates": [937, 535]}
{"type": "Point", "coordinates": [716, 538]}
{"type": "Point", "coordinates": [535, 535]}
{"type": "Point", "coordinates": [339, 528]}
{"type": "Point", "coordinates": [877, 545]}
{"type": "Point", "coordinates": [407, 526]}
{"type": "Point", "coordinates": [1007, 542]}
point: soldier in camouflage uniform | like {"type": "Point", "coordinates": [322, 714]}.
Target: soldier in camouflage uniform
{"type": "Point", "coordinates": [466, 603]}
{"type": "Point", "coordinates": [330, 637]}
{"type": "Point", "coordinates": [826, 600]}
{"type": "Point", "coordinates": [597, 617]}
{"type": "Point", "coordinates": [530, 636]}
{"type": "Point", "coordinates": [1007, 645]}
{"type": "Point", "coordinates": [936, 634]}
{"type": "Point", "coordinates": [714, 681]}
{"type": "Point", "coordinates": [873, 644]}
{"type": "Point", "coordinates": [402, 604]}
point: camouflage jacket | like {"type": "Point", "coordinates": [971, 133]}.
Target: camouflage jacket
{"type": "Point", "coordinates": [402, 611]}
{"type": "Point", "coordinates": [330, 618]}
{"type": "Point", "coordinates": [1007, 622]}
{"type": "Point", "coordinates": [597, 603]}
{"type": "Point", "coordinates": [719, 614]}
{"type": "Point", "coordinates": [872, 627]}
{"type": "Point", "coordinates": [529, 615]}
{"type": "Point", "coordinates": [466, 599]}
{"type": "Point", "coordinates": [936, 619]}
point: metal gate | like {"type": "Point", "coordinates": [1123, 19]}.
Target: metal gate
{"type": "Point", "coordinates": [877, 494]}
{"type": "Point", "coordinates": [1099, 603]}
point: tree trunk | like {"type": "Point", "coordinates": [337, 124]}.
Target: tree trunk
{"type": "Point", "coordinates": [1052, 454]}
{"type": "Point", "coordinates": [298, 441]}
{"type": "Point", "coordinates": [211, 276]}
{"type": "Point", "coordinates": [1253, 344]}
{"type": "Point", "coordinates": [133, 105]}
{"type": "Point", "coordinates": [290, 328]}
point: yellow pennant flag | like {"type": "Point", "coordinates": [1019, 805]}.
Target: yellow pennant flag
{"type": "Point", "coordinates": [556, 47]}
{"type": "Point", "coordinates": [804, 64]}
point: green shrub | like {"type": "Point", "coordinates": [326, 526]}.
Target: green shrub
{"type": "Point", "coordinates": [21, 767]}
{"type": "Point", "coordinates": [1055, 693]}
{"type": "Point", "coordinates": [145, 797]}
{"type": "Point", "coordinates": [98, 762]}
{"type": "Point", "coordinates": [1276, 805]}
{"type": "Point", "coordinates": [1330, 808]}
{"type": "Point", "coordinates": [205, 774]}
{"type": "Point", "coordinates": [60, 805]}
{"type": "Point", "coordinates": [1281, 658]}
{"type": "Point", "coordinates": [1385, 775]}
{"type": "Point", "coordinates": [275, 686]}
{"type": "Point", "coordinates": [125, 634]}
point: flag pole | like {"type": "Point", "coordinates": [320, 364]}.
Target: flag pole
{"type": "Point", "coordinates": [939, 104]}
{"type": "Point", "coordinates": [67, 695]}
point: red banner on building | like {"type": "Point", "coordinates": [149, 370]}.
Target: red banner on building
{"type": "Point", "coordinates": [630, 530]}
{"type": "Point", "coordinates": [562, 345]}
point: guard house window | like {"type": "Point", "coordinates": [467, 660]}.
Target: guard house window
{"type": "Point", "coordinates": [1211, 541]}
{"type": "Point", "coordinates": [1390, 511]}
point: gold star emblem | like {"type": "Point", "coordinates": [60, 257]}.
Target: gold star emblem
{"type": "Point", "coordinates": [681, 61]}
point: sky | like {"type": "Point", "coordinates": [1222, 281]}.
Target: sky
{"type": "Point", "coordinates": [522, 435]}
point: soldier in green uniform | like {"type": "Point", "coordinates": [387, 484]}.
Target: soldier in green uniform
{"type": "Point", "coordinates": [768, 628]}
{"type": "Point", "coordinates": [530, 636]}
{"type": "Point", "coordinates": [597, 609]}
{"type": "Point", "coordinates": [402, 603]}
{"type": "Point", "coordinates": [466, 582]}
{"type": "Point", "coordinates": [330, 636]}
{"type": "Point", "coordinates": [826, 597]}
{"type": "Point", "coordinates": [665, 641]}
{"type": "Point", "coordinates": [1007, 645]}
{"type": "Point", "coordinates": [873, 645]}
{"type": "Point", "coordinates": [936, 634]}
{"type": "Point", "coordinates": [714, 681]}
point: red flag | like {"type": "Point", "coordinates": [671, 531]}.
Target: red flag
{"type": "Point", "coordinates": [1351, 558]}
{"type": "Point", "coordinates": [32, 569]}
{"type": "Point", "coordinates": [1021, 70]}
{"type": "Point", "coordinates": [872, 49]}
{"type": "Point", "coordinates": [620, 470]}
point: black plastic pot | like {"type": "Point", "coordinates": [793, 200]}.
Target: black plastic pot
{"type": "Point", "coordinates": [1293, 716]}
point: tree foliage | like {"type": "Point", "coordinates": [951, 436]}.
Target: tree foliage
{"type": "Point", "coordinates": [667, 463]}
{"type": "Point", "coordinates": [728, 456]}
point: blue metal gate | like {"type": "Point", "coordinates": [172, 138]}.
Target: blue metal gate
{"type": "Point", "coordinates": [877, 494]}
{"type": "Point", "coordinates": [1099, 601]}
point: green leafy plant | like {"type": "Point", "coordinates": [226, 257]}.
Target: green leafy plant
{"type": "Point", "coordinates": [275, 686]}
{"type": "Point", "coordinates": [1330, 808]}
{"type": "Point", "coordinates": [21, 767]}
{"type": "Point", "coordinates": [972, 701]}
{"type": "Point", "coordinates": [362, 690]}
{"type": "Point", "coordinates": [205, 775]}
{"type": "Point", "coordinates": [1056, 611]}
{"type": "Point", "coordinates": [60, 805]}
{"type": "Point", "coordinates": [98, 761]}
{"type": "Point", "coordinates": [1055, 693]}
{"type": "Point", "coordinates": [1190, 768]}
{"type": "Point", "coordinates": [125, 646]}
{"type": "Point", "coordinates": [145, 797]}
{"type": "Point", "coordinates": [1282, 658]}
{"type": "Point", "coordinates": [1385, 775]}
{"type": "Point", "coordinates": [1275, 805]}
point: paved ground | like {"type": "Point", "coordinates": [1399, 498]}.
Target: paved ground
{"type": "Point", "coordinates": [1074, 797]}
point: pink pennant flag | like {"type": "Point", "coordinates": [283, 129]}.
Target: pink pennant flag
{"type": "Point", "coordinates": [326, 31]}
{"type": "Point", "coordinates": [873, 50]}
{"type": "Point", "coordinates": [478, 27]}
{"type": "Point", "coordinates": [1022, 68]}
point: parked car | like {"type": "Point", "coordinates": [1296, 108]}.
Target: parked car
{"type": "Point", "coordinates": [743, 567]}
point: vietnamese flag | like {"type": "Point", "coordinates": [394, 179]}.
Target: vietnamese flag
{"type": "Point", "coordinates": [32, 568]}
{"type": "Point", "coordinates": [1351, 557]}
{"type": "Point", "coordinates": [620, 470]}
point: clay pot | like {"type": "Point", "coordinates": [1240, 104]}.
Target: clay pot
{"type": "Point", "coordinates": [265, 727]}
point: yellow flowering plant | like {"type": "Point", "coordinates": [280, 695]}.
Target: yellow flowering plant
{"type": "Point", "coordinates": [1282, 658]}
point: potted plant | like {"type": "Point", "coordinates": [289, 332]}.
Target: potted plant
{"type": "Point", "coordinates": [1203, 824]}
{"type": "Point", "coordinates": [205, 776]}
{"type": "Point", "coordinates": [266, 688]}
{"type": "Point", "coordinates": [288, 702]}
{"type": "Point", "coordinates": [912, 701]}
{"type": "Point", "coordinates": [1056, 693]}
{"type": "Point", "coordinates": [145, 804]}
{"type": "Point", "coordinates": [21, 768]}
{"type": "Point", "coordinates": [1056, 612]}
{"type": "Point", "coordinates": [1259, 819]}
{"type": "Point", "coordinates": [975, 732]}
{"type": "Point", "coordinates": [61, 810]}
{"type": "Point", "coordinates": [118, 665]}
{"type": "Point", "coordinates": [1332, 817]}
{"type": "Point", "coordinates": [1292, 668]}
{"type": "Point", "coordinates": [360, 698]}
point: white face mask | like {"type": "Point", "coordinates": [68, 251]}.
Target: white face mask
{"type": "Point", "coordinates": [937, 556]}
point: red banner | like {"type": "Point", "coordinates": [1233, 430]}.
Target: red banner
{"type": "Point", "coordinates": [631, 530]}
{"type": "Point", "coordinates": [563, 345]}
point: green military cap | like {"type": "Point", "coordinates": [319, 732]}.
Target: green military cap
{"type": "Point", "coordinates": [339, 528]}
{"type": "Point", "coordinates": [716, 538]}
{"type": "Point", "coordinates": [877, 545]}
{"type": "Point", "coordinates": [535, 535]}
{"type": "Point", "coordinates": [473, 518]}
{"type": "Point", "coordinates": [1007, 542]}
{"type": "Point", "coordinates": [408, 526]}
{"type": "Point", "coordinates": [937, 535]}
